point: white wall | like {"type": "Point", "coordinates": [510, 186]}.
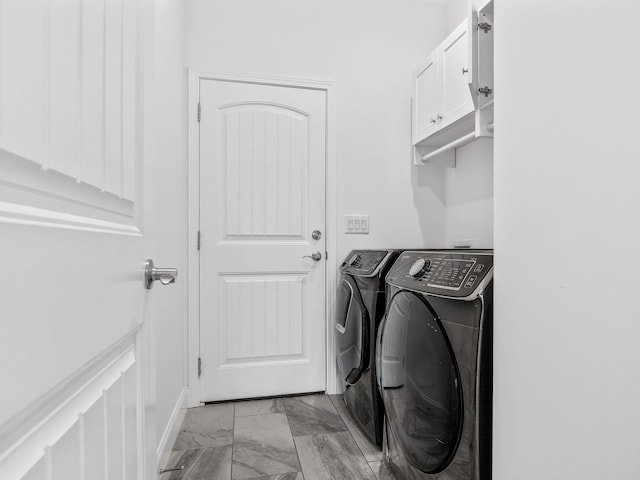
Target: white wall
{"type": "Point", "coordinates": [369, 48]}
{"type": "Point", "coordinates": [167, 226]}
{"type": "Point", "coordinates": [469, 186]}
{"type": "Point", "coordinates": [469, 196]}
{"type": "Point", "coordinates": [567, 204]}
{"type": "Point", "coordinates": [456, 13]}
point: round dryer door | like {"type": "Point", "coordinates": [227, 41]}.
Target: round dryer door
{"type": "Point", "coordinates": [420, 383]}
{"type": "Point", "coordinates": [352, 331]}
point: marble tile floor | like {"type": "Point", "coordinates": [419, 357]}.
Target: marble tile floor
{"type": "Point", "coordinates": [307, 437]}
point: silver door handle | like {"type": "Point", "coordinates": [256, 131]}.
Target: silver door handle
{"type": "Point", "coordinates": [315, 256]}
{"type": "Point", "coordinates": [165, 275]}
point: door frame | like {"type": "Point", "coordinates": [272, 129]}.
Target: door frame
{"type": "Point", "coordinates": [193, 210]}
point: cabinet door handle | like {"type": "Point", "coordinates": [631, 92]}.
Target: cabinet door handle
{"type": "Point", "coordinates": [439, 117]}
{"type": "Point", "coordinates": [433, 120]}
{"type": "Point", "coordinates": [465, 70]}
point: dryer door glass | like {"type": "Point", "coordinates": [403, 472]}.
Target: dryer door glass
{"type": "Point", "coordinates": [420, 383]}
{"type": "Point", "coordinates": [352, 331]}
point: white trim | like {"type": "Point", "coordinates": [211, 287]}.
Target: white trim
{"type": "Point", "coordinates": [2, 43]}
{"type": "Point", "coordinates": [193, 213]}
{"type": "Point", "coordinates": [260, 79]}
{"type": "Point", "coordinates": [193, 224]}
{"type": "Point", "coordinates": [331, 226]}
{"type": "Point", "coordinates": [145, 98]}
{"type": "Point", "coordinates": [46, 87]}
{"type": "Point", "coordinates": [24, 215]}
{"type": "Point", "coordinates": [172, 429]}
{"type": "Point", "coordinates": [185, 243]}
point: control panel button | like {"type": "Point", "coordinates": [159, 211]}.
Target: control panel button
{"type": "Point", "coordinates": [419, 267]}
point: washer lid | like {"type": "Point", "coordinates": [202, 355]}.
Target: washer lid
{"type": "Point", "coordinates": [444, 273]}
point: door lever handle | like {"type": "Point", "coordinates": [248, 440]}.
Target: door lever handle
{"type": "Point", "coordinates": [164, 275]}
{"type": "Point", "coordinates": [315, 256]}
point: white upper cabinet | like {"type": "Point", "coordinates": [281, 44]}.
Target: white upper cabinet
{"type": "Point", "coordinates": [441, 93]}
{"type": "Point", "coordinates": [453, 91]}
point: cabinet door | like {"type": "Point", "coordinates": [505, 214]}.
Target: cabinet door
{"type": "Point", "coordinates": [485, 55]}
{"type": "Point", "coordinates": [456, 100]}
{"type": "Point", "coordinates": [425, 99]}
{"type": "Point", "coordinates": [480, 46]}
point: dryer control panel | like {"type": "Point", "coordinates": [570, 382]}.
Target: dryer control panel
{"type": "Point", "coordinates": [451, 273]}
{"type": "Point", "coordinates": [365, 263]}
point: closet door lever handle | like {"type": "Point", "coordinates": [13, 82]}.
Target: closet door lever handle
{"type": "Point", "coordinates": [164, 275]}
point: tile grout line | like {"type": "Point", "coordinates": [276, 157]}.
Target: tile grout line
{"type": "Point", "coordinates": [358, 447]}
{"type": "Point", "coordinates": [233, 438]}
{"type": "Point", "coordinates": [339, 410]}
{"type": "Point", "coordinates": [286, 414]}
{"type": "Point", "coordinates": [374, 473]}
{"type": "Point", "coordinates": [268, 414]}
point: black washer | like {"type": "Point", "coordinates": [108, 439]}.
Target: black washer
{"type": "Point", "coordinates": [360, 303]}
{"type": "Point", "coordinates": [434, 365]}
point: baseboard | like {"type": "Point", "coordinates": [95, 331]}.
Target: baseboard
{"type": "Point", "coordinates": [171, 431]}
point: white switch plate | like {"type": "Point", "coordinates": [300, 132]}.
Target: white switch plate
{"type": "Point", "coordinates": [356, 224]}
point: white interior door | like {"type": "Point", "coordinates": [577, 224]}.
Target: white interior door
{"type": "Point", "coordinates": [262, 194]}
{"type": "Point", "coordinates": [76, 388]}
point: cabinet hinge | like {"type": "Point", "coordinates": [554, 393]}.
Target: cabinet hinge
{"type": "Point", "coordinates": [486, 91]}
{"type": "Point", "coordinates": [199, 112]}
{"type": "Point", "coordinates": [485, 27]}
{"type": "Point", "coordinates": [199, 366]}
{"type": "Point", "coordinates": [199, 240]}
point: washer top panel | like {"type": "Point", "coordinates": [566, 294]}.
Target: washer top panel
{"type": "Point", "coordinates": [445, 273]}
{"type": "Point", "coordinates": [365, 263]}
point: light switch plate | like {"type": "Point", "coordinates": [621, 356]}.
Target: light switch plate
{"type": "Point", "coordinates": [356, 224]}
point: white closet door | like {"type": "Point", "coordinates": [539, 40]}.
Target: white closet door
{"type": "Point", "coordinates": [262, 194]}
{"type": "Point", "coordinates": [73, 75]}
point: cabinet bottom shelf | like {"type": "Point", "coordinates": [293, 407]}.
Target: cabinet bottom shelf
{"type": "Point", "coordinates": [439, 149]}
